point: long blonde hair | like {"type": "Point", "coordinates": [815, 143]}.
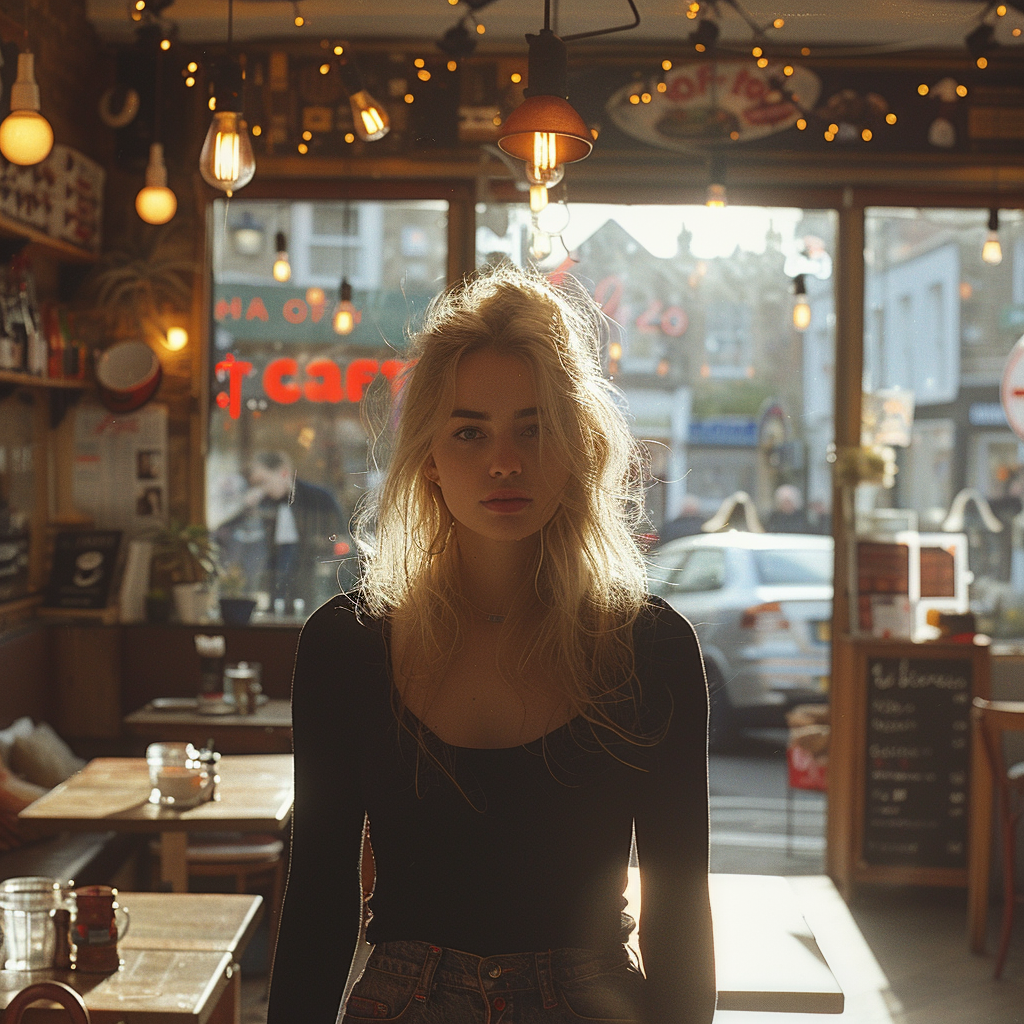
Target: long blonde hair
{"type": "Point", "coordinates": [589, 577]}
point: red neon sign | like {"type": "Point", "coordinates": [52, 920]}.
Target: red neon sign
{"type": "Point", "coordinates": [320, 380]}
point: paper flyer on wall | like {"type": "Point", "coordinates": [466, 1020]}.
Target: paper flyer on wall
{"type": "Point", "coordinates": [120, 467]}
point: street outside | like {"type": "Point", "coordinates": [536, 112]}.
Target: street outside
{"type": "Point", "coordinates": [748, 811]}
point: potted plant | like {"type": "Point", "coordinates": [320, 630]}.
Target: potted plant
{"type": "Point", "coordinates": [185, 561]}
{"type": "Point", "coordinates": [236, 604]}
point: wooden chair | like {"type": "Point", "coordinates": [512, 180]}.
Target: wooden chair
{"type": "Point", "coordinates": [994, 718]}
{"type": "Point", "coordinates": [54, 992]}
{"type": "Point", "coordinates": [253, 860]}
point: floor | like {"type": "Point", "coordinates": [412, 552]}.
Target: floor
{"type": "Point", "coordinates": [899, 953]}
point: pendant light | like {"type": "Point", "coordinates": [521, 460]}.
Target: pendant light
{"type": "Point", "coordinates": [346, 316]}
{"type": "Point", "coordinates": [801, 308]}
{"type": "Point", "coordinates": [992, 251]}
{"type": "Point", "coordinates": [156, 203]}
{"type": "Point", "coordinates": [545, 131]}
{"type": "Point", "coordinates": [226, 161]}
{"type": "Point", "coordinates": [25, 135]}
{"type": "Point", "coordinates": [282, 268]}
{"type": "Point", "coordinates": [369, 119]}
{"type": "Point", "coordinates": [716, 196]}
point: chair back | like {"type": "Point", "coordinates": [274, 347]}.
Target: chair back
{"type": "Point", "coordinates": [53, 991]}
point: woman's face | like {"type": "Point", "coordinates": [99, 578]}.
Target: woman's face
{"type": "Point", "coordinates": [487, 458]}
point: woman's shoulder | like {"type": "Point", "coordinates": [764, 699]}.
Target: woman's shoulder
{"type": "Point", "coordinates": [668, 653]}
{"type": "Point", "coordinates": [660, 624]}
{"type": "Point", "coordinates": [340, 623]}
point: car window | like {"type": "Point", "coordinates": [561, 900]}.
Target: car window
{"type": "Point", "coordinates": [699, 570]}
{"type": "Point", "coordinates": [793, 565]}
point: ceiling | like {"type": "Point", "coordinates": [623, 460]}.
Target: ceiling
{"type": "Point", "coordinates": [874, 25]}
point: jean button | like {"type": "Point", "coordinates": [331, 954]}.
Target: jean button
{"type": "Point", "coordinates": [499, 1004]}
{"type": "Point", "coordinates": [495, 971]}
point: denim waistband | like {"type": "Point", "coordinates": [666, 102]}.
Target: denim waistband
{"type": "Point", "coordinates": [502, 973]}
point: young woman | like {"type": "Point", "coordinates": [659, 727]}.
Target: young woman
{"type": "Point", "coordinates": [503, 703]}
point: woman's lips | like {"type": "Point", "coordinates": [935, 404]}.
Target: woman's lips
{"type": "Point", "coordinates": [506, 505]}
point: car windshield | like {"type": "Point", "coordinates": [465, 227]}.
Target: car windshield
{"type": "Point", "coordinates": [783, 566]}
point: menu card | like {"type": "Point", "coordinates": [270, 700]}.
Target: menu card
{"type": "Point", "coordinates": [917, 764]}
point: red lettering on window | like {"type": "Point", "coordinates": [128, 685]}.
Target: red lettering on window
{"type": "Point", "coordinates": [391, 368]}
{"type": "Point", "coordinates": [235, 369]}
{"type": "Point", "coordinates": [274, 384]}
{"type": "Point", "coordinates": [608, 294]}
{"type": "Point", "coordinates": [649, 321]}
{"type": "Point", "coordinates": [674, 321]}
{"type": "Point", "coordinates": [225, 308]}
{"type": "Point", "coordinates": [295, 311]}
{"type": "Point", "coordinates": [257, 310]}
{"type": "Point", "coordinates": [323, 382]}
{"type": "Point", "coordinates": [360, 372]}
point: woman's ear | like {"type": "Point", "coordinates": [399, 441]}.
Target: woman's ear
{"type": "Point", "coordinates": [430, 470]}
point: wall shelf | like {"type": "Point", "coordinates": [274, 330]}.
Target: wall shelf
{"type": "Point", "coordinates": [66, 251]}
{"type": "Point", "coordinates": [30, 380]}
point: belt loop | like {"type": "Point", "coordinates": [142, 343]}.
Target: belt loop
{"type": "Point", "coordinates": [544, 977]}
{"type": "Point", "coordinates": [432, 959]}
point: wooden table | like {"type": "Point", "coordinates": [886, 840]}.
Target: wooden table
{"type": "Point", "coordinates": [180, 964]}
{"type": "Point", "coordinates": [254, 793]}
{"type": "Point", "coordinates": [766, 956]}
{"type": "Point", "coordinates": [268, 730]}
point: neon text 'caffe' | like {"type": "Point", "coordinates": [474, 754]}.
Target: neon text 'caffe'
{"type": "Point", "coordinates": [285, 382]}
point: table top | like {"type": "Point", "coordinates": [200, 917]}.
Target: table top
{"type": "Point", "coordinates": [275, 714]}
{"type": "Point", "coordinates": [204, 922]}
{"type": "Point", "coordinates": [254, 793]}
{"type": "Point", "coordinates": [170, 974]}
{"type": "Point", "coordinates": [766, 956]}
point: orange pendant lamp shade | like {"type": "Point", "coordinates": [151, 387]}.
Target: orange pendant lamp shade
{"type": "Point", "coordinates": [544, 130]}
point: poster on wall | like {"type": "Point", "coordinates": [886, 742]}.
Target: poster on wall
{"type": "Point", "coordinates": [120, 467]}
{"type": "Point", "coordinates": [83, 568]}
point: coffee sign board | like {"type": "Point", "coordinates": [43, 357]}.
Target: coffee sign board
{"type": "Point", "coordinates": [917, 762]}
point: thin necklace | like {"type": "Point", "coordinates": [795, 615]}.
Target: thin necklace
{"type": "Point", "coordinates": [488, 616]}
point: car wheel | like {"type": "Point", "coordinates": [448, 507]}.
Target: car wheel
{"type": "Point", "coordinates": [722, 731]}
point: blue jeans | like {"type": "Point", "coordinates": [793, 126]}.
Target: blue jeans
{"type": "Point", "coordinates": [417, 983]}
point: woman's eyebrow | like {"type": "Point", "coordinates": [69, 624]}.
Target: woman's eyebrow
{"type": "Point", "coordinates": [470, 414]}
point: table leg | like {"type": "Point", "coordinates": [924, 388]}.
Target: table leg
{"type": "Point", "coordinates": [173, 861]}
{"type": "Point", "coordinates": [229, 1007]}
{"type": "Point", "coordinates": [979, 853]}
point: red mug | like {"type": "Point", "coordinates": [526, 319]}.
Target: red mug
{"type": "Point", "coordinates": [99, 922]}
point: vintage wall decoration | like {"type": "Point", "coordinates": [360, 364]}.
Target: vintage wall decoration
{"type": "Point", "coordinates": [706, 102]}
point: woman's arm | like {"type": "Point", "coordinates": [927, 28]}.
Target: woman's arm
{"type": "Point", "coordinates": [323, 901]}
{"type": "Point", "coordinates": [672, 826]}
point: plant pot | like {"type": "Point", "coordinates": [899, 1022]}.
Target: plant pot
{"type": "Point", "coordinates": [193, 602]}
{"type": "Point", "coordinates": [236, 611]}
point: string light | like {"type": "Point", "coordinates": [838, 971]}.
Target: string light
{"type": "Point", "coordinates": [282, 269]}
{"type": "Point", "coordinates": [801, 308]}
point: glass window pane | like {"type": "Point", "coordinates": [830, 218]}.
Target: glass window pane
{"type": "Point", "coordinates": [940, 321]}
{"type": "Point", "coordinates": [793, 566]}
{"type": "Point", "coordinates": [287, 455]}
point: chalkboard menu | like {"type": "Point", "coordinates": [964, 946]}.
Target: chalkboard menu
{"type": "Point", "coordinates": [917, 761]}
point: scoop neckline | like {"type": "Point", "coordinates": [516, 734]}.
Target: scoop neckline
{"type": "Point", "coordinates": [518, 746]}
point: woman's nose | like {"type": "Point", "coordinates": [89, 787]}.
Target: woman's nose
{"type": "Point", "coordinates": [505, 460]}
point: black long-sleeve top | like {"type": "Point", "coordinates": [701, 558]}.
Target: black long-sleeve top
{"type": "Point", "coordinates": [522, 848]}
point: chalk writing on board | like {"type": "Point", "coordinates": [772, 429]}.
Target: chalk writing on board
{"type": "Point", "coordinates": [918, 725]}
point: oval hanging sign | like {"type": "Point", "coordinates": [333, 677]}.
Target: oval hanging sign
{"type": "Point", "coordinates": [713, 101]}
{"type": "Point", "coordinates": [1011, 392]}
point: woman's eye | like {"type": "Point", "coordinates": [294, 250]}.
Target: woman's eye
{"type": "Point", "coordinates": [468, 434]}
{"type": "Point", "coordinates": [532, 431]}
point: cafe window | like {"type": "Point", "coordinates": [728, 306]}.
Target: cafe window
{"type": "Point", "coordinates": [940, 321]}
{"type": "Point", "coordinates": [728, 393]}
{"type": "Point", "coordinates": [287, 457]}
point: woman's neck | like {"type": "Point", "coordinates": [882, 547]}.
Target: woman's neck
{"type": "Point", "coordinates": [492, 574]}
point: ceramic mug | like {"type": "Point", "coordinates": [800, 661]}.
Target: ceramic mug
{"type": "Point", "coordinates": [99, 923]}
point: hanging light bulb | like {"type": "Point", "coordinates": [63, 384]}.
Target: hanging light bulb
{"type": "Point", "coordinates": [282, 268]}
{"type": "Point", "coordinates": [716, 196]}
{"type": "Point", "coordinates": [346, 316]}
{"type": "Point", "coordinates": [538, 198]}
{"type": "Point", "coordinates": [25, 135]}
{"type": "Point", "coordinates": [992, 251]}
{"type": "Point", "coordinates": [226, 161]}
{"type": "Point", "coordinates": [369, 118]}
{"type": "Point", "coordinates": [156, 203]}
{"type": "Point", "coordinates": [801, 308]}
{"type": "Point", "coordinates": [544, 130]}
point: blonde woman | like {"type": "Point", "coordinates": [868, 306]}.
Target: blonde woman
{"type": "Point", "coordinates": [503, 703]}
